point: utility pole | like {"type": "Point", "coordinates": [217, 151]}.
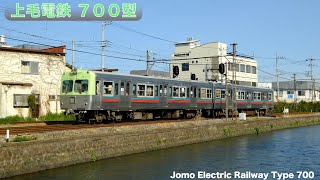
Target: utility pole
{"type": "Point", "coordinates": [72, 64]}
{"type": "Point", "coordinates": [312, 80]}
{"type": "Point", "coordinates": [277, 73]}
{"type": "Point", "coordinates": [148, 62]}
{"type": "Point", "coordinates": [234, 80]}
{"type": "Point", "coordinates": [102, 46]}
{"type": "Point", "coordinates": [295, 88]}
{"type": "Point", "coordinates": [226, 93]}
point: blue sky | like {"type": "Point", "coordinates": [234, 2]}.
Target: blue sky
{"type": "Point", "coordinates": [260, 28]}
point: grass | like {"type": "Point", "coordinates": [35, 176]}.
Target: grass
{"type": "Point", "coordinates": [23, 138]}
{"type": "Point", "coordinates": [48, 117]}
{"type": "Point", "coordinates": [16, 119]}
{"type": "Point", "coordinates": [57, 117]}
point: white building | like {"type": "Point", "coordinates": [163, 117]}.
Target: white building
{"type": "Point", "coordinates": [203, 61]}
{"type": "Point", "coordinates": [26, 72]}
{"type": "Point", "coordinates": [296, 92]}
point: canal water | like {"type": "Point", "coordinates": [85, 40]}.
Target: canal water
{"type": "Point", "coordinates": [285, 151]}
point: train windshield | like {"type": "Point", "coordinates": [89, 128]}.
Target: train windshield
{"type": "Point", "coordinates": [81, 86]}
{"type": "Point", "coordinates": [67, 86]}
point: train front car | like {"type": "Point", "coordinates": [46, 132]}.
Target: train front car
{"type": "Point", "coordinates": [78, 93]}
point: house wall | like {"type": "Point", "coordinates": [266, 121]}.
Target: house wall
{"type": "Point", "coordinates": [45, 83]}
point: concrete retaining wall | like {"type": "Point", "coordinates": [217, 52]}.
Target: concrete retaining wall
{"type": "Point", "coordinates": [33, 156]}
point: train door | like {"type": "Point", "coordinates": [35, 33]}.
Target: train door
{"type": "Point", "coordinates": [125, 95]}
{"type": "Point", "coordinates": [98, 96]}
{"type": "Point", "coordinates": [193, 96]}
{"type": "Point", "coordinates": [249, 99]}
{"type": "Point", "coordinates": [163, 95]}
{"type": "Point", "coordinates": [264, 99]}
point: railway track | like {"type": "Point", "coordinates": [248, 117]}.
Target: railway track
{"type": "Point", "coordinates": [37, 128]}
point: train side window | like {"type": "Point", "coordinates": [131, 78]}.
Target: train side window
{"type": "Point", "coordinates": [122, 89]}
{"type": "Point", "coordinates": [156, 91]}
{"type": "Point", "coordinates": [223, 94]}
{"type": "Point", "coordinates": [161, 90]}
{"type": "Point", "coordinates": [170, 91]}
{"type": "Point", "coordinates": [175, 92]}
{"type": "Point", "coordinates": [149, 91]}
{"type": "Point", "coordinates": [127, 89]}
{"type": "Point", "coordinates": [141, 89]}
{"type": "Point", "coordinates": [182, 92]}
{"type": "Point", "coordinates": [134, 89]}
{"type": "Point", "coordinates": [203, 93]}
{"type": "Point", "coordinates": [194, 92]}
{"type": "Point", "coordinates": [218, 93]}
{"type": "Point", "coordinates": [116, 89]}
{"type": "Point", "coordinates": [165, 90]}
{"type": "Point", "coordinates": [97, 88]}
{"type": "Point", "coordinates": [209, 93]}
{"type": "Point", "coordinates": [108, 88]}
{"type": "Point", "coordinates": [199, 93]}
{"type": "Point", "coordinates": [256, 96]}
{"type": "Point", "coordinates": [188, 92]}
{"type": "Point", "coordinates": [269, 97]}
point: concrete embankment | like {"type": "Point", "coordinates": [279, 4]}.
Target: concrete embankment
{"type": "Point", "coordinates": [57, 149]}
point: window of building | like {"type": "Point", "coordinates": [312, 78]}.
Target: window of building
{"type": "Point", "coordinates": [67, 86]}
{"type": "Point", "coordinates": [229, 66]}
{"type": "Point", "coordinates": [108, 88]}
{"type": "Point", "coordinates": [254, 84]}
{"type": "Point", "coordinates": [290, 92]}
{"type": "Point", "coordinates": [29, 67]}
{"type": "Point", "coordinates": [81, 86]}
{"type": "Point", "coordinates": [301, 93]}
{"type": "Point", "coordinates": [21, 100]}
{"type": "Point", "coordinates": [237, 67]}
{"type": "Point", "coordinates": [253, 70]}
{"type": "Point", "coordinates": [242, 68]}
{"type": "Point", "coordinates": [248, 69]}
{"type": "Point", "coordinates": [185, 66]}
{"type": "Point", "coordinates": [280, 93]}
{"type": "Point", "coordinates": [52, 97]}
